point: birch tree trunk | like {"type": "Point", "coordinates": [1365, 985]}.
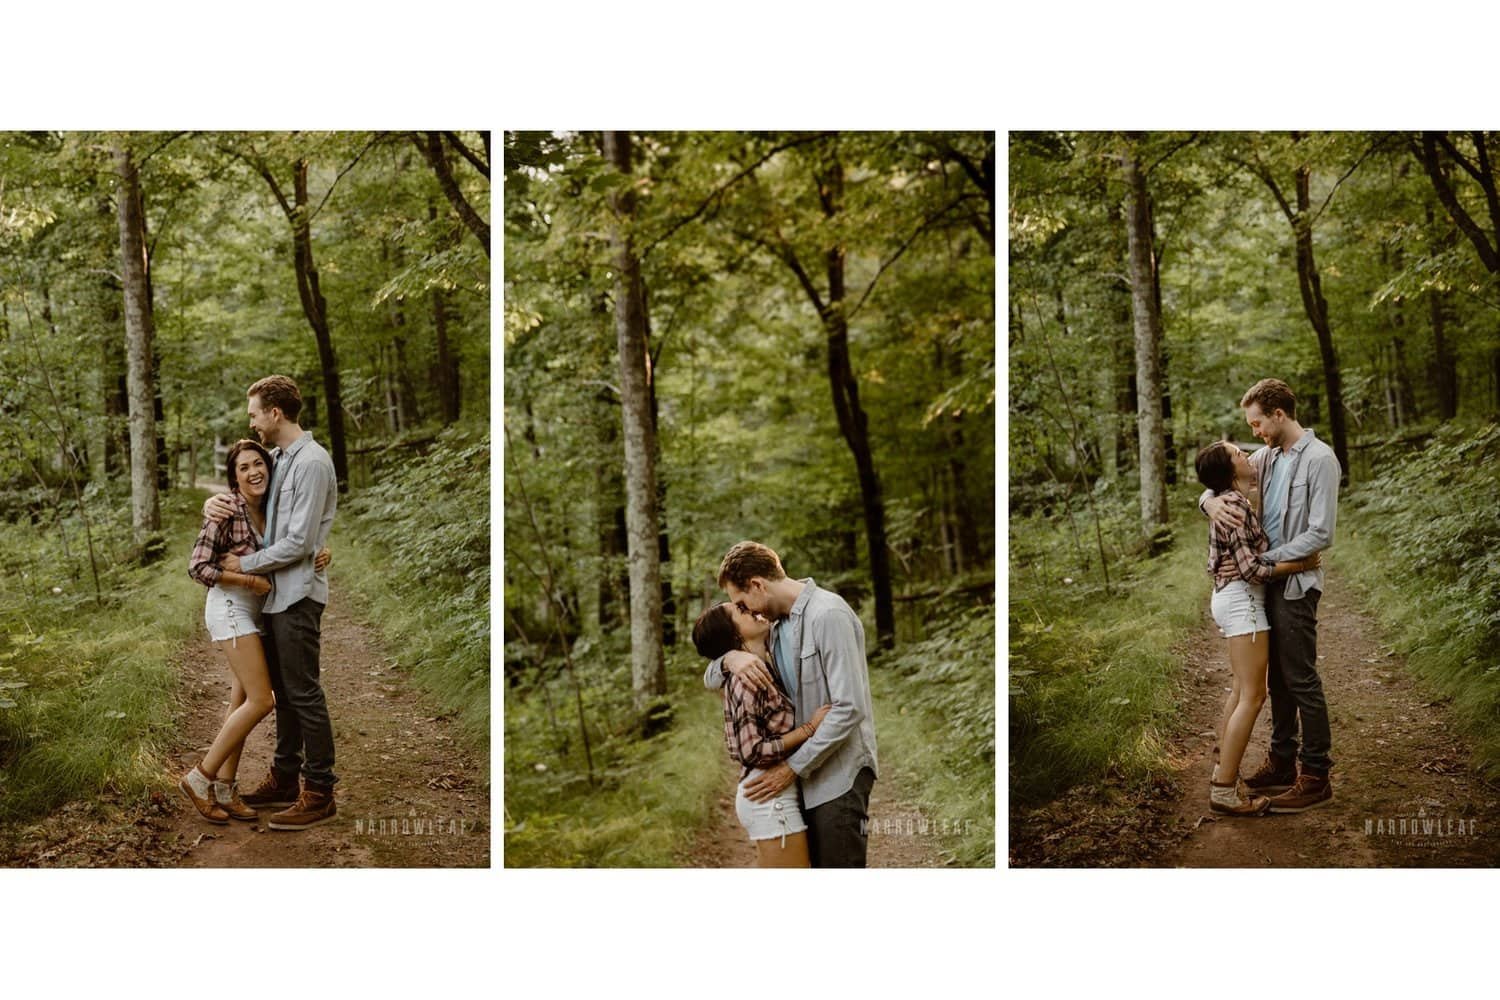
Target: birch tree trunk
{"type": "Point", "coordinates": [1151, 441]}
{"type": "Point", "coordinates": [648, 675]}
{"type": "Point", "coordinates": [145, 512]}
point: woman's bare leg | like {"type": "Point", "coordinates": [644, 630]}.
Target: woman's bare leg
{"type": "Point", "coordinates": [770, 853]}
{"type": "Point", "coordinates": [1248, 656]}
{"type": "Point", "coordinates": [231, 765]}
{"type": "Point", "coordinates": [247, 660]}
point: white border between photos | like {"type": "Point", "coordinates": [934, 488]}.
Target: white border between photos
{"type": "Point", "coordinates": [773, 64]}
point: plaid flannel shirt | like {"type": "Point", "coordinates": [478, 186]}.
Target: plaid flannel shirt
{"type": "Point", "coordinates": [754, 723]}
{"type": "Point", "coordinates": [1234, 553]}
{"type": "Point", "coordinates": [218, 539]}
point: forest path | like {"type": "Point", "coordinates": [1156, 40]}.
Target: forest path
{"type": "Point", "coordinates": [1403, 792]}
{"type": "Point", "coordinates": [1395, 754]}
{"type": "Point", "coordinates": [897, 837]}
{"type": "Point", "coordinates": [409, 794]}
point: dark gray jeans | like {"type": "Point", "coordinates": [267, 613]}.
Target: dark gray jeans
{"type": "Point", "coordinates": [1296, 690]}
{"type": "Point", "coordinates": [304, 734]}
{"type": "Point", "coordinates": [836, 830]}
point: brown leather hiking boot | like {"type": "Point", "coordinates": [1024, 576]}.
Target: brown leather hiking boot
{"type": "Point", "coordinates": [206, 807]}
{"type": "Point", "coordinates": [1309, 790]}
{"type": "Point", "coordinates": [313, 806]}
{"type": "Point", "coordinates": [1274, 777]}
{"type": "Point", "coordinates": [227, 795]}
{"type": "Point", "coordinates": [275, 791]}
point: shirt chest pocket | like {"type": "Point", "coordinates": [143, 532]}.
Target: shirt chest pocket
{"type": "Point", "coordinates": [1297, 495]}
{"type": "Point", "coordinates": [810, 676]}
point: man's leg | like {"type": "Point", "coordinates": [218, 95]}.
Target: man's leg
{"type": "Point", "coordinates": [1299, 667]}
{"type": "Point", "coordinates": [836, 831]}
{"type": "Point", "coordinates": [1283, 703]}
{"type": "Point", "coordinates": [297, 633]}
{"type": "Point", "coordinates": [287, 760]}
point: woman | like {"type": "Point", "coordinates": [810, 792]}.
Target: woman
{"type": "Point", "coordinates": [1239, 609]}
{"type": "Point", "coordinates": [233, 618]}
{"type": "Point", "coordinates": [759, 729]}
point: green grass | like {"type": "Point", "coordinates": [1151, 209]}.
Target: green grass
{"type": "Point", "coordinates": [440, 656]}
{"type": "Point", "coordinates": [1092, 674]}
{"type": "Point", "coordinates": [935, 731]}
{"type": "Point", "coordinates": [414, 552]}
{"type": "Point", "coordinates": [652, 797]}
{"type": "Point", "coordinates": [95, 714]}
{"type": "Point", "coordinates": [1421, 542]}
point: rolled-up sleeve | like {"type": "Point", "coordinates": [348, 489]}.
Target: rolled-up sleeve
{"type": "Point", "coordinates": [713, 674]}
{"type": "Point", "coordinates": [843, 656]}
{"type": "Point", "coordinates": [203, 561]}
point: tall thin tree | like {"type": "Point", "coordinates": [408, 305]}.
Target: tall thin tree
{"type": "Point", "coordinates": [648, 665]}
{"type": "Point", "coordinates": [145, 511]}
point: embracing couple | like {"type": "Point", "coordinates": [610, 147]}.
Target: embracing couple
{"type": "Point", "coordinates": [790, 658]}
{"type": "Point", "coordinates": [261, 555]}
{"type": "Point", "coordinates": [1272, 515]}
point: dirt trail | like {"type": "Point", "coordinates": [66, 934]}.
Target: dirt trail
{"type": "Point", "coordinates": [409, 794]}
{"type": "Point", "coordinates": [1403, 792]}
{"type": "Point", "coordinates": [898, 837]}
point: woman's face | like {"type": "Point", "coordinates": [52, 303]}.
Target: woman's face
{"type": "Point", "coordinates": [748, 625]}
{"type": "Point", "coordinates": [250, 470]}
{"type": "Point", "coordinates": [1243, 470]}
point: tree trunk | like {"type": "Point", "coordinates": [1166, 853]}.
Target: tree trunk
{"type": "Point", "coordinates": [145, 513]}
{"type": "Point", "coordinates": [1143, 300]}
{"type": "Point", "coordinates": [1316, 307]}
{"type": "Point", "coordinates": [447, 363]}
{"type": "Point", "coordinates": [648, 666]}
{"type": "Point", "coordinates": [853, 423]}
{"type": "Point", "coordinates": [315, 308]}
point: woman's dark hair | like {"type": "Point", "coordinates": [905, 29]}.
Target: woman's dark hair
{"type": "Point", "coordinates": [245, 444]}
{"type": "Point", "coordinates": [1216, 466]}
{"type": "Point", "coordinates": [714, 633]}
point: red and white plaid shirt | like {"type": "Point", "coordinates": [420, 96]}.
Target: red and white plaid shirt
{"type": "Point", "coordinates": [218, 539]}
{"type": "Point", "coordinates": [754, 723]}
{"type": "Point", "coordinates": [1234, 553]}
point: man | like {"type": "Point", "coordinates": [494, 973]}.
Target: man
{"type": "Point", "coordinates": [302, 499]}
{"type": "Point", "coordinates": [1299, 490]}
{"type": "Point", "coordinates": [818, 644]}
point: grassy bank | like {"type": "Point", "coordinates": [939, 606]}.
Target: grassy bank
{"type": "Point", "coordinates": [935, 730]}
{"type": "Point", "coordinates": [1092, 672]}
{"type": "Point", "coordinates": [414, 553]}
{"type": "Point", "coordinates": [86, 688]}
{"type": "Point", "coordinates": [650, 798]}
{"type": "Point", "coordinates": [1421, 541]}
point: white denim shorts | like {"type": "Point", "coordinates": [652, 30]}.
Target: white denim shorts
{"type": "Point", "coordinates": [232, 612]}
{"type": "Point", "coordinates": [1240, 608]}
{"type": "Point", "coordinates": [769, 820]}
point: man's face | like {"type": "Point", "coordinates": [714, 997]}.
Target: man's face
{"type": "Point", "coordinates": [1269, 427]}
{"type": "Point", "coordinates": [263, 422]}
{"type": "Point", "coordinates": [753, 599]}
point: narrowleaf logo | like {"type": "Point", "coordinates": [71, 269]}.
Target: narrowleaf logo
{"type": "Point", "coordinates": [1421, 830]}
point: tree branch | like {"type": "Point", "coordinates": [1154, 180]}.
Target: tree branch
{"type": "Point", "coordinates": [1491, 196]}
{"type": "Point", "coordinates": [340, 176]}
{"type": "Point", "coordinates": [717, 195]}
{"type": "Point", "coordinates": [432, 150]}
{"type": "Point", "coordinates": [1334, 190]}
{"type": "Point", "coordinates": [467, 153]}
{"type": "Point", "coordinates": [903, 248]}
{"type": "Point", "coordinates": [1428, 157]}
